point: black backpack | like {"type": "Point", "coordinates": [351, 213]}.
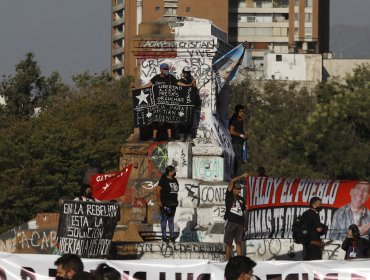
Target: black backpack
{"type": "Point", "coordinates": [299, 231]}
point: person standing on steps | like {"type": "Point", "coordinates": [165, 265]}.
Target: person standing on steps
{"type": "Point", "coordinates": [234, 217]}
{"type": "Point", "coordinates": [166, 191]}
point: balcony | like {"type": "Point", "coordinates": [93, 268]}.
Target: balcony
{"type": "Point", "coordinates": [116, 51]}
{"type": "Point", "coordinates": [117, 66]}
{"type": "Point", "coordinates": [118, 7]}
{"type": "Point", "coordinates": [118, 36]}
{"type": "Point", "coordinates": [118, 21]}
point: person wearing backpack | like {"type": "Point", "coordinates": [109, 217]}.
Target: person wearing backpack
{"type": "Point", "coordinates": [312, 248]}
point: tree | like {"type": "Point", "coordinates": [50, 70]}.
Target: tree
{"type": "Point", "coordinates": [26, 91]}
{"type": "Point", "coordinates": [42, 158]}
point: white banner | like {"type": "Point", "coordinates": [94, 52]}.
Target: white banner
{"type": "Point", "coordinates": [34, 267]}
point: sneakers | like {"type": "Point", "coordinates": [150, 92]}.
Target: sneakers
{"type": "Point", "coordinates": [153, 139]}
{"type": "Point", "coordinates": [173, 239]}
{"type": "Point", "coordinates": [170, 139]}
{"type": "Point", "coordinates": [166, 240]}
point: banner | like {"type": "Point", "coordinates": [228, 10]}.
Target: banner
{"type": "Point", "coordinates": [165, 104]}
{"type": "Point", "coordinates": [273, 203]}
{"type": "Point", "coordinates": [24, 266]}
{"type": "Point", "coordinates": [110, 185]}
{"type": "Point", "coordinates": [227, 66]}
{"type": "Point", "coordinates": [86, 228]}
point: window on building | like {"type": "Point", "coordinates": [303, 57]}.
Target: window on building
{"type": "Point", "coordinates": [308, 17]}
{"type": "Point", "coordinates": [119, 2]}
{"type": "Point", "coordinates": [246, 18]}
{"type": "Point", "coordinates": [296, 16]}
{"type": "Point", "coordinates": [263, 31]}
{"type": "Point", "coordinates": [188, 9]}
{"type": "Point", "coordinates": [308, 32]}
{"type": "Point", "coordinates": [157, 9]}
{"type": "Point", "coordinates": [308, 3]}
{"type": "Point", "coordinates": [279, 57]}
{"type": "Point", "coordinates": [296, 3]}
{"type": "Point", "coordinates": [296, 31]}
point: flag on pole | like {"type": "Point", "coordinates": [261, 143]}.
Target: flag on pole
{"type": "Point", "coordinates": [110, 185]}
{"type": "Point", "coordinates": [227, 66]}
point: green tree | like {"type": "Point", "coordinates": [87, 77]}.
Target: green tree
{"type": "Point", "coordinates": [26, 91]}
{"type": "Point", "coordinates": [42, 157]}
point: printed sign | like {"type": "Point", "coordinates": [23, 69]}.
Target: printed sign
{"type": "Point", "coordinates": [86, 228]}
{"type": "Point", "coordinates": [273, 203]}
{"type": "Point", "coordinates": [165, 104]}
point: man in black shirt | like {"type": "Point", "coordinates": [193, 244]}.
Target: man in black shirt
{"type": "Point", "coordinates": [234, 217]}
{"type": "Point", "coordinates": [187, 80]}
{"type": "Point", "coordinates": [164, 77]}
{"type": "Point", "coordinates": [166, 191]}
{"type": "Point", "coordinates": [312, 249]}
{"type": "Point", "coordinates": [238, 136]}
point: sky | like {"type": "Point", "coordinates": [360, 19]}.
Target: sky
{"type": "Point", "coordinates": [73, 36]}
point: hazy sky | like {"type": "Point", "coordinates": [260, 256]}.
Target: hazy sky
{"type": "Point", "coordinates": [72, 36]}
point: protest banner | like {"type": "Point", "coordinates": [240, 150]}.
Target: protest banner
{"type": "Point", "coordinates": [24, 266]}
{"type": "Point", "coordinates": [86, 228]}
{"type": "Point", "coordinates": [165, 104]}
{"type": "Point", "coordinates": [273, 204]}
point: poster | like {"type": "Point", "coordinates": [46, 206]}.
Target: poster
{"type": "Point", "coordinates": [86, 228]}
{"type": "Point", "coordinates": [273, 203]}
{"type": "Point", "coordinates": [165, 104]}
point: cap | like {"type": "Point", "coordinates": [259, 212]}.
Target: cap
{"type": "Point", "coordinates": [353, 227]}
{"type": "Point", "coordinates": [164, 66]}
{"type": "Point", "coordinates": [186, 69]}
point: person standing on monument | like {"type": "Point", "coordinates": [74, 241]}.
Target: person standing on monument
{"type": "Point", "coordinates": [166, 191]}
{"type": "Point", "coordinates": [234, 217]}
{"type": "Point", "coordinates": [238, 136]}
{"type": "Point", "coordinates": [186, 129]}
{"type": "Point", "coordinates": [164, 77]}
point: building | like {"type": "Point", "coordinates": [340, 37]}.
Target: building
{"type": "Point", "coordinates": [280, 26]}
{"type": "Point", "coordinates": [128, 14]}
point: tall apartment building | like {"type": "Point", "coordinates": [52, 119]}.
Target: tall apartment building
{"type": "Point", "coordinates": [281, 26]}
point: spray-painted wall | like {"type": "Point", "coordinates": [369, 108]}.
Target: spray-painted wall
{"type": "Point", "coordinates": [195, 43]}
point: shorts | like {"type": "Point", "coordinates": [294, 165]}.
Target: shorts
{"type": "Point", "coordinates": [233, 231]}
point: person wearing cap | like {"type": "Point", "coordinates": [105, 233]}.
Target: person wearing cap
{"type": "Point", "coordinates": [164, 77]}
{"type": "Point", "coordinates": [187, 80]}
{"type": "Point", "coordinates": [234, 217]}
{"type": "Point", "coordinates": [240, 268]}
{"type": "Point", "coordinates": [356, 247]}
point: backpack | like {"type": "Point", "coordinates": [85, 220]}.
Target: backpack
{"type": "Point", "coordinates": [299, 231]}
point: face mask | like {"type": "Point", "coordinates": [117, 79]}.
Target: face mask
{"type": "Point", "coordinates": [165, 72]}
{"type": "Point", "coordinates": [318, 209]}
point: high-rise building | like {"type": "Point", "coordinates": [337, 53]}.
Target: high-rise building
{"type": "Point", "coordinates": [280, 26]}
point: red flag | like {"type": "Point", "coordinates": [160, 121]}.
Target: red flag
{"type": "Point", "coordinates": [110, 185]}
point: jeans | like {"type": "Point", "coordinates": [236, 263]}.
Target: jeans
{"type": "Point", "coordinates": [168, 217]}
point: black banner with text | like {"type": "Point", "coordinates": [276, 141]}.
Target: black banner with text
{"type": "Point", "coordinates": [164, 104]}
{"type": "Point", "coordinates": [86, 228]}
